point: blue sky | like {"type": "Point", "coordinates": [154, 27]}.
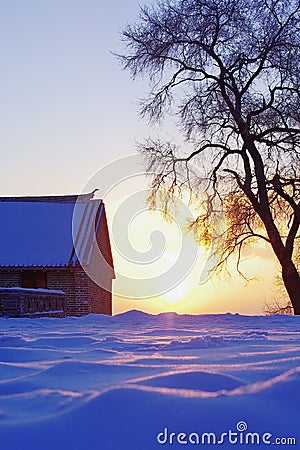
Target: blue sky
{"type": "Point", "coordinates": [66, 106]}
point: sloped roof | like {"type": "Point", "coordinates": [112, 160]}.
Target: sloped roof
{"type": "Point", "coordinates": [37, 231]}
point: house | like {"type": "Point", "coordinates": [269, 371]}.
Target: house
{"type": "Point", "coordinates": [55, 256]}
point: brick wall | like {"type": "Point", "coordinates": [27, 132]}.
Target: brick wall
{"type": "Point", "coordinates": [102, 271]}
{"type": "Point", "coordinates": [90, 298]}
{"type": "Point", "coordinates": [83, 296]}
{"type": "Point", "coordinates": [64, 279]}
{"type": "Point", "coordinates": [10, 277]}
{"type": "Point", "coordinates": [101, 300]}
{"type": "Point", "coordinates": [82, 299]}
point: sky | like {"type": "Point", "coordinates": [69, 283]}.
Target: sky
{"type": "Point", "coordinates": [68, 110]}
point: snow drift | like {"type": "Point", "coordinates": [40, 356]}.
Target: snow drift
{"type": "Point", "coordinates": [142, 382]}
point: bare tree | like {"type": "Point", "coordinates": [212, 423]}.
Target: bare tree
{"type": "Point", "coordinates": [277, 306]}
{"type": "Point", "coordinates": [279, 303]}
{"type": "Point", "coordinates": [230, 70]}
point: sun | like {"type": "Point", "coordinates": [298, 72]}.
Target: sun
{"type": "Point", "coordinates": [177, 294]}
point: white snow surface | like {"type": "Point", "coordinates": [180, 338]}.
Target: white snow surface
{"type": "Point", "coordinates": [116, 383]}
{"type": "Point", "coordinates": [46, 291]}
{"type": "Point", "coordinates": [26, 244]}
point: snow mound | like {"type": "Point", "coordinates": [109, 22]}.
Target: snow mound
{"type": "Point", "coordinates": [203, 381]}
{"type": "Point", "coordinates": [198, 342]}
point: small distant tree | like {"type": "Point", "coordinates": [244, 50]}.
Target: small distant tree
{"type": "Point", "coordinates": [278, 306]}
{"type": "Point", "coordinates": [230, 71]}
{"type": "Point", "coordinates": [279, 303]}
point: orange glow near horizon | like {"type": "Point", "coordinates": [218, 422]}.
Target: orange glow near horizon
{"type": "Point", "coordinates": [220, 294]}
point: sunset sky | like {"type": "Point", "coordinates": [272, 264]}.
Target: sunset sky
{"type": "Point", "coordinates": [68, 110]}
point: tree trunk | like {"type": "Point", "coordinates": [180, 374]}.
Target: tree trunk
{"type": "Point", "coordinates": [291, 281]}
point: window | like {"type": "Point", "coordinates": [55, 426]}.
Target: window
{"type": "Point", "coordinates": [34, 279]}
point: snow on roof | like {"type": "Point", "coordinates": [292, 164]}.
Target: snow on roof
{"type": "Point", "coordinates": [42, 290]}
{"type": "Point", "coordinates": [37, 231]}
